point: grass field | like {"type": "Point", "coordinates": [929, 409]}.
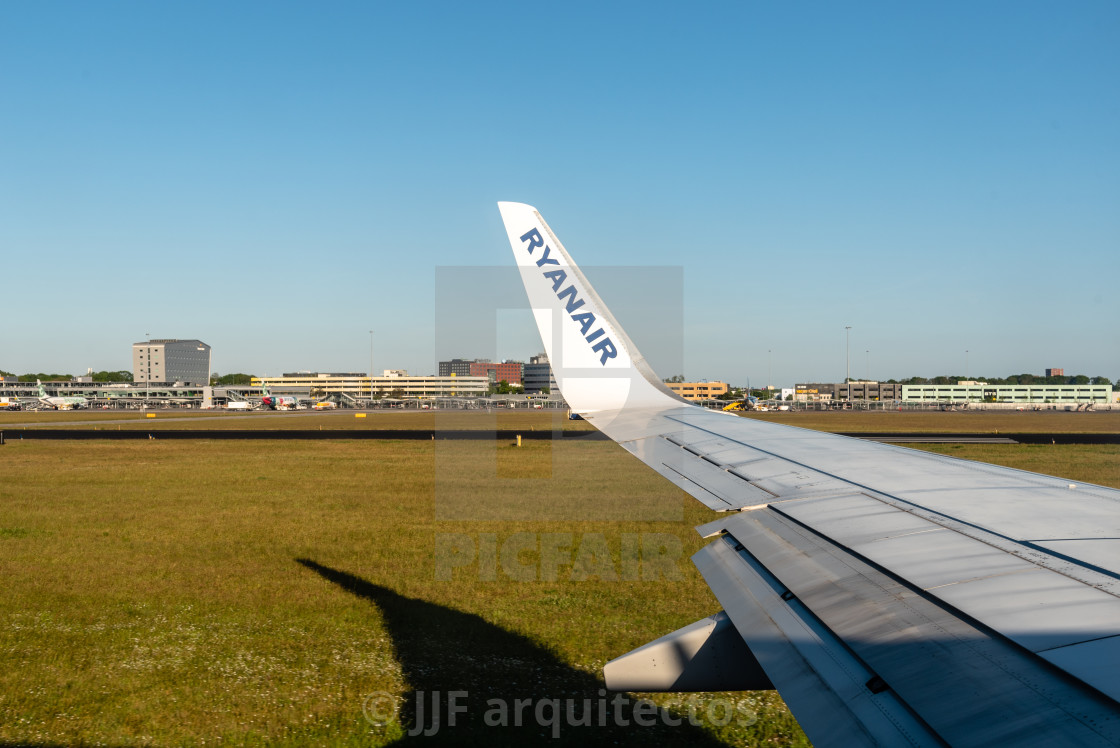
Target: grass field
{"type": "Point", "coordinates": [978, 422]}
{"type": "Point", "coordinates": [987, 422]}
{"type": "Point", "coordinates": [336, 420]}
{"type": "Point", "coordinates": [250, 593]}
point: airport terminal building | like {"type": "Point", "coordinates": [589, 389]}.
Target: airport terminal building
{"type": "Point", "coordinates": [354, 388]}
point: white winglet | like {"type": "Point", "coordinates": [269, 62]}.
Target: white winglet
{"type": "Point", "coordinates": [597, 367]}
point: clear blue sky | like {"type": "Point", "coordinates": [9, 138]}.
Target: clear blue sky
{"type": "Point", "coordinates": [279, 178]}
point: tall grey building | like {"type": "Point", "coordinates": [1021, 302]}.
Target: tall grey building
{"type": "Point", "coordinates": [169, 361]}
{"type": "Point", "coordinates": [538, 375]}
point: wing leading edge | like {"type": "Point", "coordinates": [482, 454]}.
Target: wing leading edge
{"type": "Point", "coordinates": [893, 597]}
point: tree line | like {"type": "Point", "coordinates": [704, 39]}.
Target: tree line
{"type": "Point", "coordinates": [216, 379]}
{"type": "Point", "coordinates": [1013, 379]}
{"type": "Point", "coordinates": [98, 376]}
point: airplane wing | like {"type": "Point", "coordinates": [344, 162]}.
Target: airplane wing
{"type": "Point", "coordinates": [893, 597]}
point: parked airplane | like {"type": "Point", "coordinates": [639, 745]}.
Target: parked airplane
{"type": "Point", "coordinates": [893, 597]}
{"type": "Point", "coordinates": [60, 402]}
{"type": "Point", "coordinates": [277, 402]}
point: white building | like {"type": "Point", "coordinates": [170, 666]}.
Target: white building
{"type": "Point", "coordinates": [979, 392]}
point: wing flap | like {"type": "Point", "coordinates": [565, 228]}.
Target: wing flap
{"type": "Point", "coordinates": [970, 685]}
{"type": "Point", "coordinates": [1035, 607]}
{"type": "Point", "coordinates": [1093, 662]}
{"type": "Point", "coordinates": [820, 679]}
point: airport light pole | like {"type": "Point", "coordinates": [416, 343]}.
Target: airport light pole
{"type": "Point", "coordinates": [848, 360]}
{"type": "Point", "coordinates": [371, 368]}
{"type": "Point", "coordinates": [867, 369]}
{"type": "Point", "coordinates": [966, 374]}
{"type": "Point", "coordinates": [769, 369]}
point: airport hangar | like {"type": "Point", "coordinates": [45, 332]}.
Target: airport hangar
{"type": "Point", "coordinates": [349, 390]}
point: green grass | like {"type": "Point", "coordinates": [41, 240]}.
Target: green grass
{"type": "Point", "coordinates": [529, 420]}
{"type": "Point", "coordinates": [1087, 463]}
{"type": "Point", "coordinates": [247, 592]}
{"type": "Point", "coordinates": [250, 593]}
{"type": "Point", "coordinates": [977, 422]}
{"type": "Point", "coordinates": [981, 422]}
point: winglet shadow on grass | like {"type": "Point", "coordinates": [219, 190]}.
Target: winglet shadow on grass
{"type": "Point", "coordinates": [446, 650]}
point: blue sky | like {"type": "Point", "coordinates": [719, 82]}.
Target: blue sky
{"type": "Point", "coordinates": [278, 179]}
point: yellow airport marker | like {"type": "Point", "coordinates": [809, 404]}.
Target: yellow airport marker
{"type": "Point", "coordinates": [359, 415]}
{"type": "Point", "coordinates": [151, 415]}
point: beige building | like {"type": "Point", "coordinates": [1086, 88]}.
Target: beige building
{"type": "Point", "coordinates": [698, 390]}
